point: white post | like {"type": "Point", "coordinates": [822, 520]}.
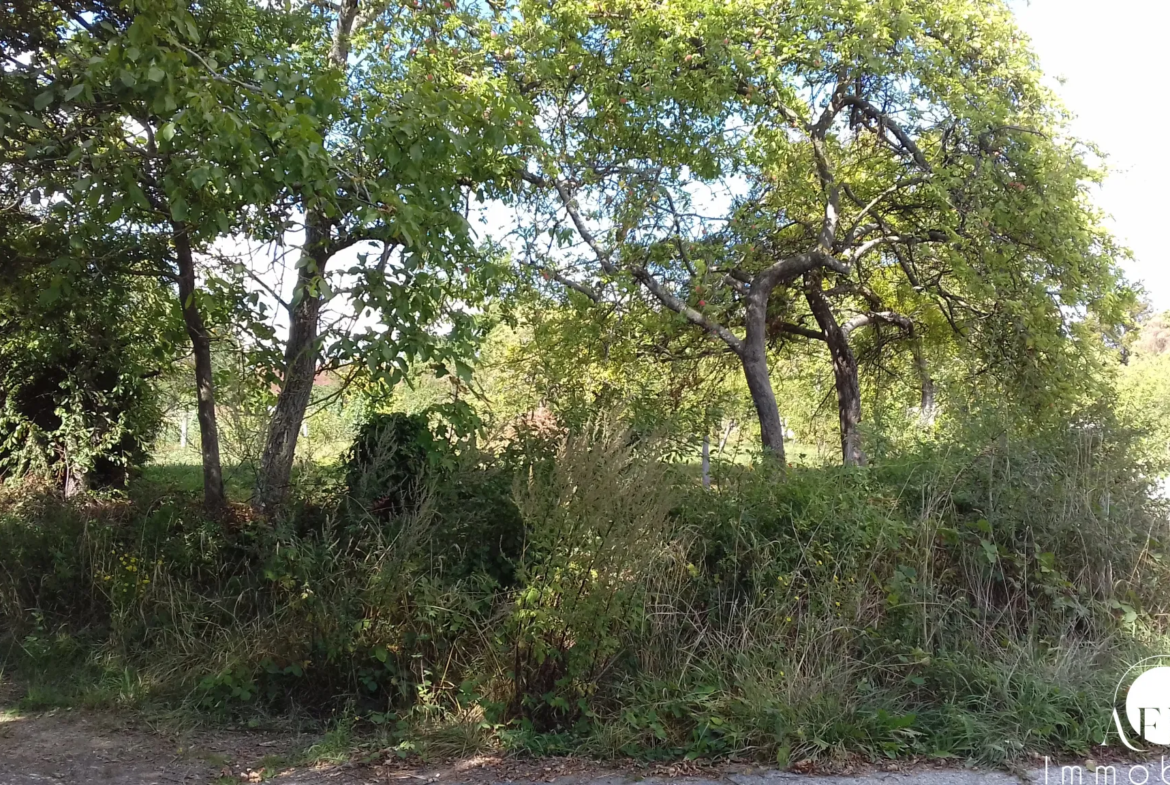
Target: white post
{"type": "Point", "coordinates": [183, 430]}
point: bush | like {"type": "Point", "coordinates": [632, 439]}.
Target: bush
{"type": "Point", "coordinates": [596, 522]}
{"type": "Point", "coordinates": [76, 401]}
{"type": "Point", "coordinates": [965, 602]}
{"type": "Point", "coordinates": [393, 461]}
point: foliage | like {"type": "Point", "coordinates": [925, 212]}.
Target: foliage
{"type": "Point", "coordinates": [934, 605]}
{"type": "Point", "coordinates": [595, 522]}
{"type": "Point", "coordinates": [719, 212]}
{"type": "Point", "coordinates": [392, 462]}
{"type": "Point", "coordinates": [1143, 385]}
{"type": "Point", "coordinates": [898, 167]}
{"type": "Point", "coordinates": [75, 395]}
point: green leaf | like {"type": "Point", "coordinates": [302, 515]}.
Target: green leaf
{"type": "Point", "coordinates": [167, 131]}
{"type": "Point", "coordinates": [74, 91]}
{"type": "Point", "coordinates": [463, 371]}
{"type": "Point", "coordinates": [43, 100]}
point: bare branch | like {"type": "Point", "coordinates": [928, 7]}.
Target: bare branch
{"type": "Point", "coordinates": [890, 239]}
{"type": "Point", "coordinates": [857, 226]}
{"type": "Point", "coordinates": [690, 314]}
{"type": "Point", "coordinates": [794, 267]}
{"type": "Point", "coordinates": [603, 257]}
{"type": "Point", "coordinates": [887, 317]}
{"type": "Point", "coordinates": [796, 329]}
{"type": "Point", "coordinates": [885, 122]}
{"type": "Point", "coordinates": [566, 281]}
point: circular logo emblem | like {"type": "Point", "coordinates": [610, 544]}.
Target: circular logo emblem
{"type": "Point", "coordinates": [1147, 704]}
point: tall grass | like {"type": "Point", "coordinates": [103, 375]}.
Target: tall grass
{"type": "Point", "coordinates": [587, 595]}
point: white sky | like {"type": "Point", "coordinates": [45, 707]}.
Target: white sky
{"type": "Point", "coordinates": [1111, 56]}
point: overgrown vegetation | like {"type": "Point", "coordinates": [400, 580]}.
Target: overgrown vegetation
{"type": "Point", "coordinates": [972, 600]}
{"type": "Point", "coordinates": [688, 378]}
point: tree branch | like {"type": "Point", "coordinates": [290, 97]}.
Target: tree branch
{"type": "Point", "coordinates": [794, 267]}
{"type": "Point", "coordinates": [887, 317]}
{"type": "Point", "coordinates": [884, 121]}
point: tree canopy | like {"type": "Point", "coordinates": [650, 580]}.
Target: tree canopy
{"type": "Point", "coordinates": [884, 192]}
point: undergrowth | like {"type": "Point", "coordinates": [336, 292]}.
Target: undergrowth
{"type": "Point", "coordinates": [580, 593]}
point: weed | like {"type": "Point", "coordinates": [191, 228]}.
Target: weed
{"type": "Point", "coordinates": [589, 596]}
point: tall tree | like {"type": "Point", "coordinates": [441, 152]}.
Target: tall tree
{"type": "Point", "coordinates": [425, 122]}
{"type": "Point", "coordinates": [874, 162]}
{"type": "Point", "coordinates": [123, 114]}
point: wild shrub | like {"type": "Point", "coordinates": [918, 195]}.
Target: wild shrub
{"type": "Point", "coordinates": [595, 597]}
{"type": "Point", "coordinates": [595, 525]}
{"type": "Point", "coordinates": [393, 460]}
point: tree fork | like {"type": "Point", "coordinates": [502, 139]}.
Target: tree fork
{"type": "Point", "coordinates": [300, 368]}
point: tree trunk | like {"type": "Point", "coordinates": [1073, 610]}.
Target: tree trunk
{"type": "Point", "coordinates": [213, 495]}
{"type": "Point", "coordinates": [726, 435]}
{"type": "Point", "coordinates": [300, 367]}
{"type": "Point", "coordinates": [706, 461]}
{"type": "Point", "coordinates": [844, 372]}
{"type": "Point", "coordinates": [754, 358]}
{"type": "Point", "coordinates": [76, 483]}
{"type": "Point", "coordinates": [926, 407]}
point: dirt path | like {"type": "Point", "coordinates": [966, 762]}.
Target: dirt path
{"type": "Point", "coordinates": [67, 746]}
{"type": "Point", "coordinates": [91, 747]}
{"type": "Point", "coordinates": [82, 747]}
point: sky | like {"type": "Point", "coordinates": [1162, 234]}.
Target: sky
{"type": "Point", "coordinates": [1110, 57]}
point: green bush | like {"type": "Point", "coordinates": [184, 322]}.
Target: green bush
{"type": "Point", "coordinates": [393, 461]}
{"type": "Point", "coordinates": [958, 602]}
{"type": "Point", "coordinates": [77, 357]}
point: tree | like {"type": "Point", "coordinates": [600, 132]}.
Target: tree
{"type": "Point", "coordinates": [424, 122]}
{"type": "Point", "coordinates": [880, 162]}
{"type": "Point", "coordinates": [121, 115]}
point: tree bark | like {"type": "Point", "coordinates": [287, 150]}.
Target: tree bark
{"type": "Point", "coordinates": [213, 494]}
{"type": "Point", "coordinates": [300, 368]}
{"type": "Point", "coordinates": [844, 372]}
{"type": "Point", "coordinates": [706, 460]}
{"type": "Point", "coordinates": [300, 354]}
{"type": "Point", "coordinates": [726, 435]}
{"type": "Point", "coordinates": [753, 356]}
{"type": "Point", "coordinates": [926, 407]}
{"type": "Point", "coordinates": [76, 483]}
